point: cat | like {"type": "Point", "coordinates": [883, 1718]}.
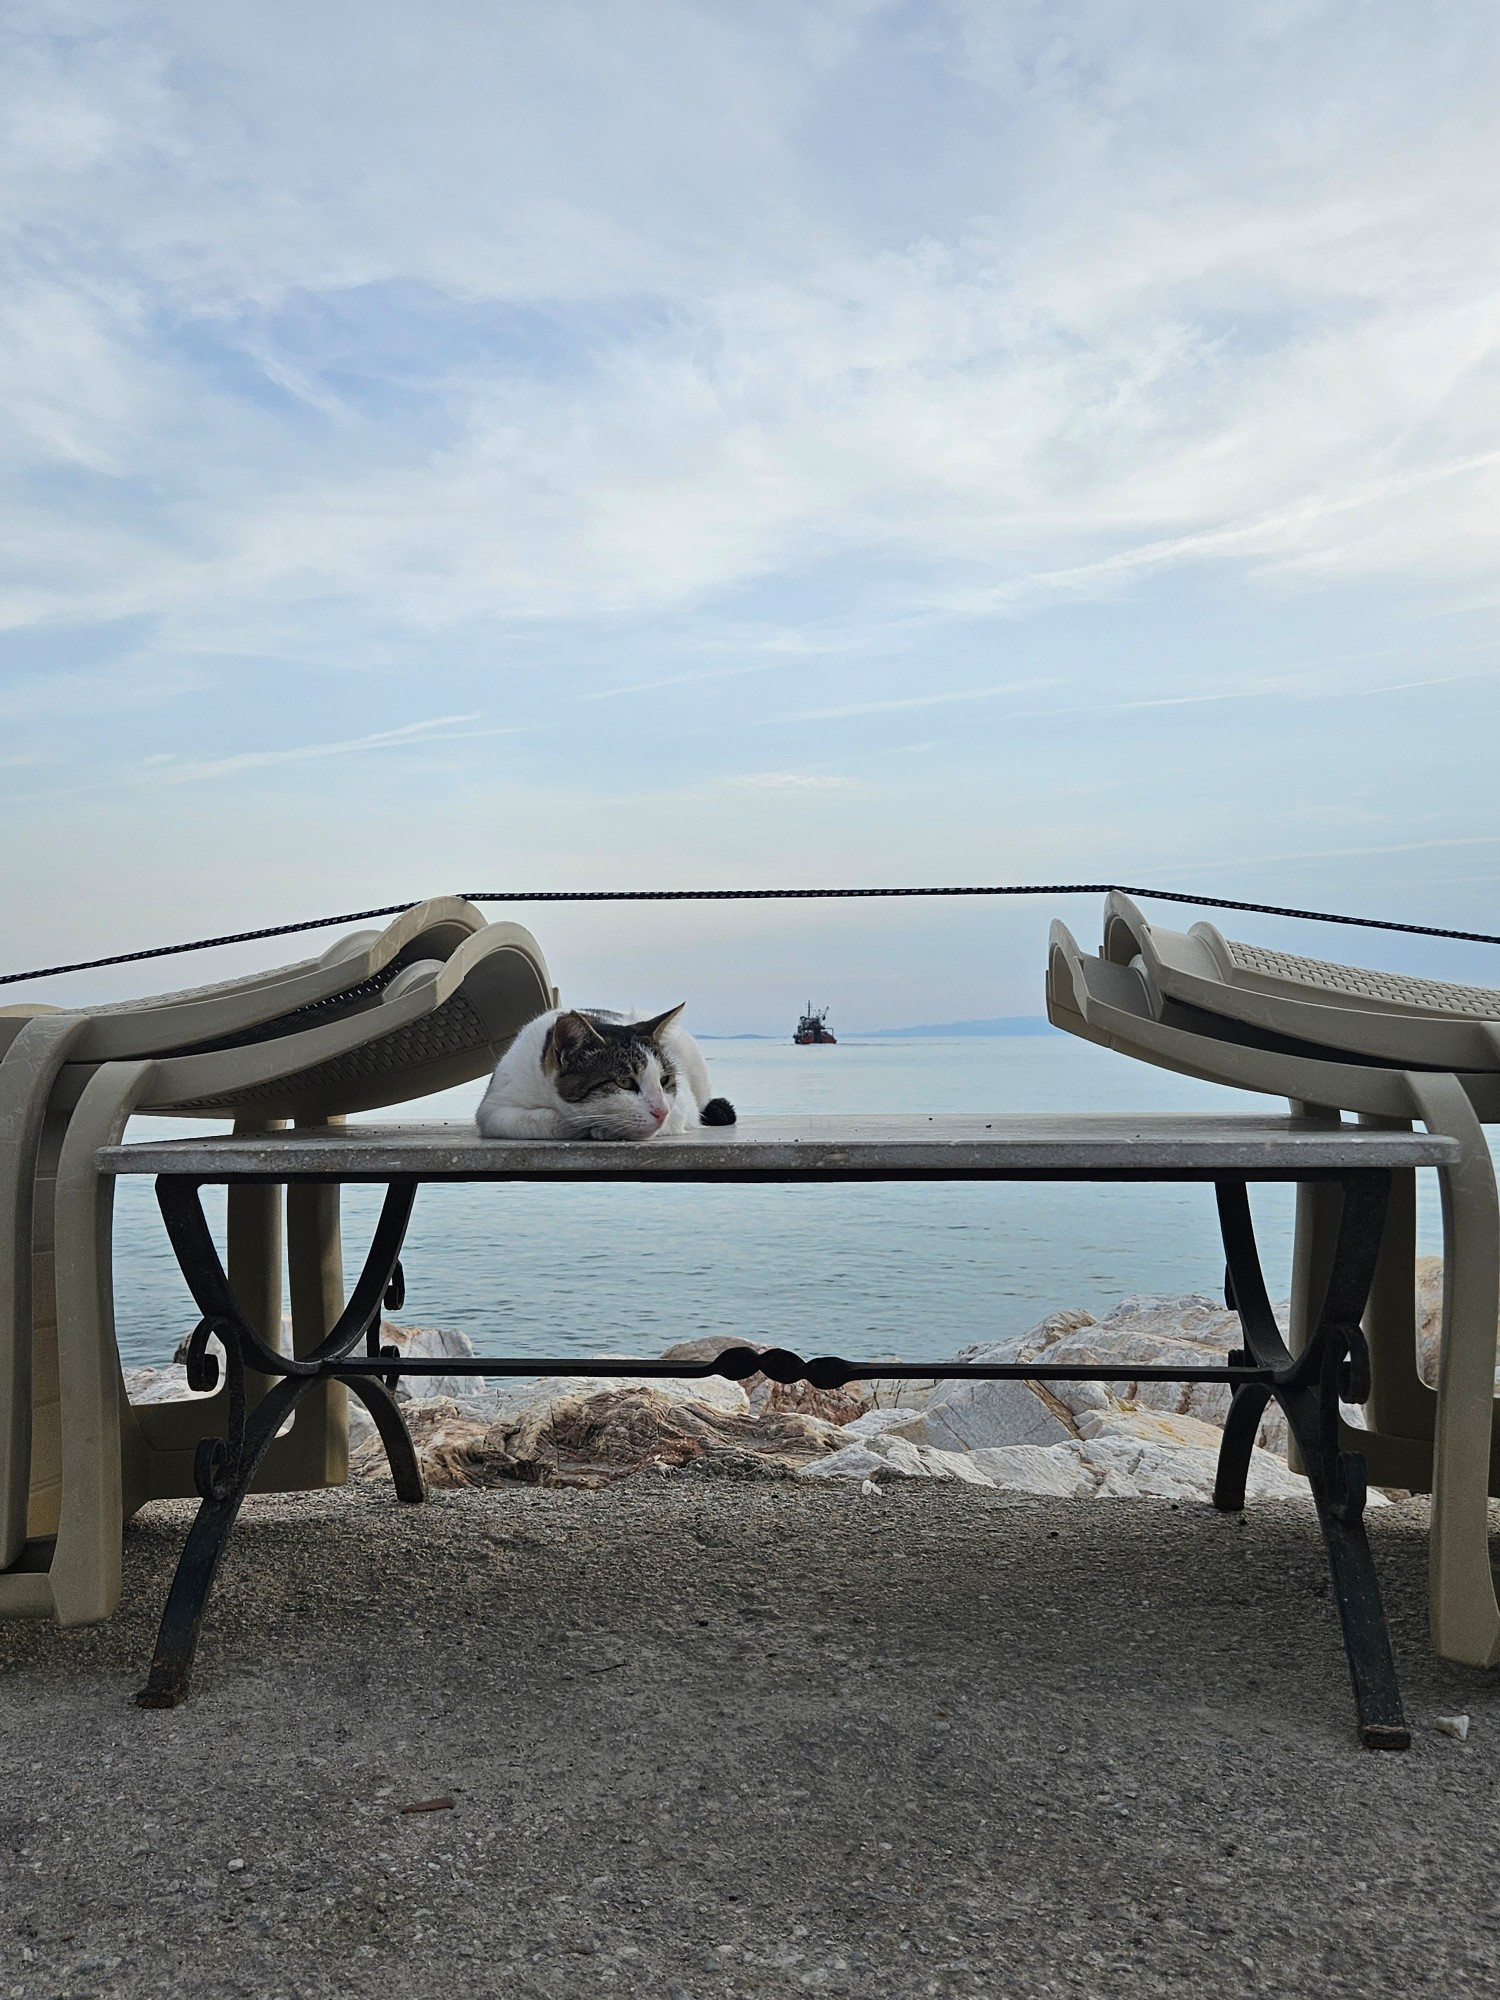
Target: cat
{"type": "Point", "coordinates": [570, 1075]}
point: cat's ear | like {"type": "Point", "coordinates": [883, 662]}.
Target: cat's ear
{"type": "Point", "coordinates": [571, 1033]}
{"type": "Point", "coordinates": [651, 1029]}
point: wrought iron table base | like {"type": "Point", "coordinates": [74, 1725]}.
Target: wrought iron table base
{"type": "Point", "coordinates": [1333, 1367]}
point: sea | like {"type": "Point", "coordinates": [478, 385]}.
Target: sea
{"type": "Point", "coordinates": [869, 1271]}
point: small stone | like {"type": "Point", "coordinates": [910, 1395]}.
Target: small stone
{"type": "Point", "coordinates": [1456, 1726]}
{"type": "Point", "coordinates": [236, 1866]}
{"type": "Point", "coordinates": [868, 1490]}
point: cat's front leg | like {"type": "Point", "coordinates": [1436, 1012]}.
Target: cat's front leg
{"type": "Point", "coordinates": [510, 1121]}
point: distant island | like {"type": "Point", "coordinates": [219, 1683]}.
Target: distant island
{"type": "Point", "coordinates": [1005, 1024]}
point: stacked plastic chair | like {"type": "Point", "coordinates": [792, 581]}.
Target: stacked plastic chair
{"type": "Point", "coordinates": [381, 1018]}
{"type": "Point", "coordinates": [1393, 1051]}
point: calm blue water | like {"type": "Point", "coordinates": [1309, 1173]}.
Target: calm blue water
{"type": "Point", "coordinates": [907, 1271]}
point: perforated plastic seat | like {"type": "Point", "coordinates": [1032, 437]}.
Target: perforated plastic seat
{"type": "Point", "coordinates": [1347, 1009]}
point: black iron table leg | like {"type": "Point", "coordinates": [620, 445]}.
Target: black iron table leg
{"type": "Point", "coordinates": [1334, 1366]}
{"type": "Point", "coordinates": [198, 1565]}
{"type": "Point", "coordinates": [225, 1468]}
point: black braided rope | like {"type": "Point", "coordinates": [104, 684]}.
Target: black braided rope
{"type": "Point", "coordinates": [762, 896]}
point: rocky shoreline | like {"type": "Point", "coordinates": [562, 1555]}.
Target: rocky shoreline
{"type": "Point", "coordinates": [1124, 1440]}
{"type": "Point", "coordinates": [1068, 1440]}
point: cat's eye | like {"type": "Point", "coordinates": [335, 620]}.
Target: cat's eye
{"type": "Point", "coordinates": [631, 1083]}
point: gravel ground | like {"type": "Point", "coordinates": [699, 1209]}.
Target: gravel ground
{"type": "Point", "coordinates": [707, 1740]}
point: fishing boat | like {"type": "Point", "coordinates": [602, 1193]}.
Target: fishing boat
{"type": "Point", "coordinates": [812, 1028]}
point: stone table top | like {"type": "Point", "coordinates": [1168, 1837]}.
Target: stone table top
{"type": "Point", "coordinates": [941, 1146]}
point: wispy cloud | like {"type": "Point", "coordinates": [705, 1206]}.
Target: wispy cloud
{"type": "Point", "coordinates": [1284, 532]}
{"type": "Point", "coordinates": [410, 735]}
{"type": "Point", "coordinates": [895, 704]}
{"type": "Point", "coordinates": [788, 781]}
{"type": "Point", "coordinates": [1307, 681]}
{"type": "Point", "coordinates": [703, 677]}
{"type": "Point", "coordinates": [1374, 850]}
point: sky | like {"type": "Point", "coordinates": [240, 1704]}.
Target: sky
{"type": "Point", "coordinates": [486, 446]}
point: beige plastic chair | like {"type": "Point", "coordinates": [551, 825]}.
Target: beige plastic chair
{"type": "Point", "coordinates": [1331, 1039]}
{"type": "Point", "coordinates": [420, 1024]}
{"type": "Point", "coordinates": [35, 1042]}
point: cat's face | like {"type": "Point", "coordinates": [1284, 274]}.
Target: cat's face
{"type": "Point", "coordinates": [614, 1077]}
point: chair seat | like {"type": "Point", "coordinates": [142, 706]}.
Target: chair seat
{"type": "Point", "coordinates": [1346, 1010]}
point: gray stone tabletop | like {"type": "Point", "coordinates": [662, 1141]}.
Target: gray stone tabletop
{"type": "Point", "coordinates": [887, 1147]}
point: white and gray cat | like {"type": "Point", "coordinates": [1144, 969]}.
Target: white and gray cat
{"type": "Point", "coordinates": [570, 1075]}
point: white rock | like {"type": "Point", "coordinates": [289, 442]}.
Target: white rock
{"type": "Point", "coordinates": [939, 1464]}
{"type": "Point", "coordinates": [885, 1393]}
{"type": "Point", "coordinates": [1026, 1346]}
{"type": "Point", "coordinates": [890, 1457]}
{"type": "Point", "coordinates": [1152, 1455]}
{"type": "Point", "coordinates": [1191, 1330]}
{"type": "Point", "coordinates": [1149, 1427]}
{"type": "Point", "coordinates": [434, 1343]}
{"type": "Point", "coordinates": [852, 1461]}
{"type": "Point", "coordinates": [1057, 1471]}
{"type": "Point", "coordinates": [1456, 1726]}
{"type": "Point", "coordinates": [1130, 1470]}
{"type": "Point", "coordinates": [507, 1398]}
{"type": "Point", "coordinates": [873, 1422]}
{"type": "Point", "coordinates": [161, 1385]}
{"type": "Point", "coordinates": [1079, 1399]}
{"type": "Point", "coordinates": [975, 1416]}
{"type": "Point", "coordinates": [716, 1390]}
{"type": "Point", "coordinates": [1136, 1455]}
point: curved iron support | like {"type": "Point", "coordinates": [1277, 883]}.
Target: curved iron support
{"type": "Point", "coordinates": [1246, 1408]}
{"type": "Point", "coordinates": [401, 1453]}
{"type": "Point", "coordinates": [376, 1282]}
